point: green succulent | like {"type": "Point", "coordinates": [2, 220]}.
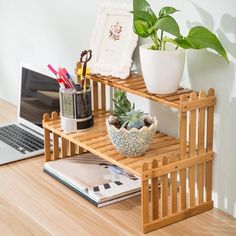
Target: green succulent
{"type": "Point", "coordinates": [133, 119]}
{"type": "Point", "coordinates": [121, 104]}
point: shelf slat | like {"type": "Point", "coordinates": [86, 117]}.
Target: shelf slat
{"type": "Point", "coordinates": [97, 141]}
{"type": "Point", "coordinates": [135, 85]}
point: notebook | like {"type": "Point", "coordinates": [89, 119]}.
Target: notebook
{"type": "Point", "coordinates": [93, 178]}
{"type": "Point", "coordinates": [38, 94]}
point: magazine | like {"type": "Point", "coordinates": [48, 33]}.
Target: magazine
{"type": "Point", "coordinates": [94, 178]}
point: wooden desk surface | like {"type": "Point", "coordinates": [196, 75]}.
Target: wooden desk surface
{"type": "Point", "coordinates": [33, 203]}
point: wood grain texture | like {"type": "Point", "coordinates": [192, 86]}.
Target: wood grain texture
{"type": "Point", "coordinates": [188, 160]}
{"type": "Point", "coordinates": [183, 151]}
{"type": "Point", "coordinates": [103, 97]}
{"type": "Point", "coordinates": [55, 152]}
{"type": "Point", "coordinates": [98, 135]}
{"type": "Point", "coordinates": [192, 146]}
{"type": "Point", "coordinates": [64, 147]}
{"type": "Point", "coordinates": [178, 166]}
{"type": "Point", "coordinates": [33, 203]}
{"type": "Point", "coordinates": [81, 150]}
{"type": "Point", "coordinates": [164, 192]}
{"type": "Point", "coordinates": [178, 216]}
{"type": "Point", "coordinates": [201, 149]}
{"type": "Point", "coordinates": [173, 190]}
{"type": "Point", "coordinates": [209, 147]}
{"type": "Point", "coordinates": [144, 198]}
{"type": "Point", "coordinates": [47, 151]}
{"type": "Point", "coordinates": [49, 202]}
{"type": "Point", "coordinates": [7, 112]}
{"type": "Point", "coordinates": [71, 149]}
{"type": "Point", "coordinates": [16, 222]}
{"type": "Point", "coordinates": [155, 194]}
{"type": "Point", "coordinates": [95, 96]}
{"type": "Point", "coordinates": [129, 84]}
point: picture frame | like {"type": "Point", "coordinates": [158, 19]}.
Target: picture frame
{"type": "Point", "coordinates": [113, 41]}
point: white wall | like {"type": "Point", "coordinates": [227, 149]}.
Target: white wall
{"type": "Point", "coordinates": [40, 31]}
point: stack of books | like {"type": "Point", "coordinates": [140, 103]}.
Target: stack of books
{"type": "Point", "coordinates": [93, 178]}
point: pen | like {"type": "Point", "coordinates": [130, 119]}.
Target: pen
{"type": "Point", "coordinates": [69, 78]}
{"type": "Point", "coordinates": [59, 79]}
{"type": "Point", "coordinates": [62, 74]}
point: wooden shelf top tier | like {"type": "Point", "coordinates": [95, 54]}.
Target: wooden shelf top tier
{"type": "Point", "coordinates": [135, 85]}
{"type": "Point", "coordinates": [96, 140]}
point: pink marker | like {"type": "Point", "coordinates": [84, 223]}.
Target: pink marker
{"type": "Point", "coordinates": [59, 79]}
{"type": "Point", "coordinates": [52, 69]}
{"type": "Point", "coordinates": [62, 74]}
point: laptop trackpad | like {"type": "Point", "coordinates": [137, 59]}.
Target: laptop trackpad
{"type": "Point", "coordinates": [8, 154]}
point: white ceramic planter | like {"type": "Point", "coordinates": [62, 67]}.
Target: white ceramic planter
{"type": "Point", "coordinates": [162, 70]}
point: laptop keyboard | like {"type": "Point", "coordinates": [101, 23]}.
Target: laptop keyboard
{"type": "Point", "coordinates": [20, 139]}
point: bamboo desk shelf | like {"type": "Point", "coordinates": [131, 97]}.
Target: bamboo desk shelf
{"type": "Point", "coordinates": [176, 173]}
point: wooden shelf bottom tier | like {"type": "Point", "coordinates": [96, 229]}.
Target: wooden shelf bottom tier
{"type": "Point", "coordinates": [96, 141]}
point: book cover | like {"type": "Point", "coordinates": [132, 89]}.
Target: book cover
{"type": "Point", "coordinates": [94, 178]}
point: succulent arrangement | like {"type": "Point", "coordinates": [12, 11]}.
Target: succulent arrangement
{"type": "Point", "coordinates": [133, 119]}
{"type": "Point", "coordinates": [125, 115]}
{"type": "Point", "coordinates": [121, 104]}
{"type": "Point", "coordinates": [130, 131]}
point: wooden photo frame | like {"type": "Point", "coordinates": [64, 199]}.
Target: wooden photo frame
{"type": "Point", "coordinates": [113, 41]}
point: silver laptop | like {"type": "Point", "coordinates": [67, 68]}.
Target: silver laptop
{"type": "Point", "coordinates": [38, 94]}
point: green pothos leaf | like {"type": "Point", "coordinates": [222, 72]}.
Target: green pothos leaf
{"type": "Point", "coordinates": [167, 24]}
{"type": "Point", "coordinates": [200, 37]}
{"type": "Point", "coordinates": [167, 11]}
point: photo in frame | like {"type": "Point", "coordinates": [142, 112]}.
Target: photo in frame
{"type": "Point", "coordinates": [113, 41]}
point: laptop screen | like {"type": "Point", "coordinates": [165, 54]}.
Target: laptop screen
{"type": "Point", "coordinates": [39, 95]}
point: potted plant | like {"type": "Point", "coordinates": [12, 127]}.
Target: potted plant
{"type": "Point", "coordinates": [130, 131]}
{"type": "Point", "coordinates": [162, 62]}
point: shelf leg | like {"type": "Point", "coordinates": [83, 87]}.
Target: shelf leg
{"type": "Point", "coordinates": [47, 151]}
{"type": "Point", "coordinates": [144, 199]}
{"type": "Point", "coordinates": [81, 150]}
{"type": "Point", "coordinates": [95, 96]}
{"type": "Point", "coordinates": [72, 149]}
{"type": "Point", "coordinates": [103, 95]}
{"type": "Point", "coordinates": [164, 192]}
{"type": "Point", "coordinates": [55, 147]}
{"type": "Point", "coordinates": [201, 149]}
{"type": "Point", "coordinates": [63, 148]}
{"type": "Point", "coordinates": [155, 193]}
{"type": "Point", "coordinates": [210, 126]}
{"type": "Point", "coordinates": [183, 140]}
{"type": "Point", "coordinates": [192, 147]}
